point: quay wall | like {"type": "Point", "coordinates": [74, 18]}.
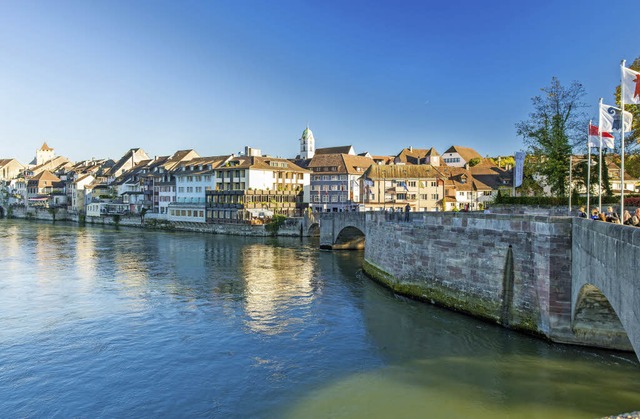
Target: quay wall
{"type": "Point", "coordinates": [293, 227]}
{"type": "Point", "coordinates": [510, 269]}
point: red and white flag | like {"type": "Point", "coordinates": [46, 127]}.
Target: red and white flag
{"type": "Point", "coordinates": [594, 138]}
{"type": "Point", "coordinates": [631, 85]}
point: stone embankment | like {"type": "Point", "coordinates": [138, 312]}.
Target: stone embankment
{"type": "Point", "coordinates": [293, 227]}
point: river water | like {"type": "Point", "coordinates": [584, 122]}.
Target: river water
{"type": "Point", "coordinates": [106, 322]}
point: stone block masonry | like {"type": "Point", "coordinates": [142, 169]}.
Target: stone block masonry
{"type": "Point", "coordinates": [497, 267]}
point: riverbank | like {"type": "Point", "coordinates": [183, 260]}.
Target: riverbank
{"type": "Point", "coordinates": [292, 227]}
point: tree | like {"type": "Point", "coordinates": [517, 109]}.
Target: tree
{"type": "Point", "coordinates": [474, 161]}
{"type": "Point", "coordinates": [553, 128]}
{"type": "Point", "coordinates": [632, 139]}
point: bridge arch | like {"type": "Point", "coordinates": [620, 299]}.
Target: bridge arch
{"type": "Point", "coordinates": [595, 320]}
{"type": "Point", "coordinates": [351, 238]}
{"type": "Point", "coordinates": [605, 259]}
{"type": "Point", "coordinates": [2, 212]}
{"type": "Point", "coordinates": [343, 230]}
{"type": "Point", "coordinates": [314, 230]}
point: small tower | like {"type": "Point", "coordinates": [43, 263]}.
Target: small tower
{"type": "Point", "coordinates": [307, 144]}
{"type": "Point", "coordinates": [44, 154]}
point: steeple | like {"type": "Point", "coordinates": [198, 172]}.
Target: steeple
{"type": "Point", "coordinates": [307, 144]}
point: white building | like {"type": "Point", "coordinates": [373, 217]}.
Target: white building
{"type": "Point", "coordinates": [457, 156]}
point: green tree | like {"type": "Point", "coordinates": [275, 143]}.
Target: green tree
{"type": "Point", "coordinates": [553, 128]}
{"type": "Point", "coordinates": [529, 187]}
{"type": "Point", "coordinates": [474, 161]}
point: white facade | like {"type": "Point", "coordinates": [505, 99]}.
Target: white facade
{"type": "Point", "coordinates": [78, 192]}
{"type": "Point", "coordinates": [98, 209]}
{"type": "Point", "coordinates": [187, 212]}
{"type": "Point", "coordinates": [191, 187]}
{"type": "Point", "coordinates": [453, 160]}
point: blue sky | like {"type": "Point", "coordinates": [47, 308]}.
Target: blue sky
{"type": "Point", "coordinates": [95, 78]}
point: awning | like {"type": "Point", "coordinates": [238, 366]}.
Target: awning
{"type": "Point", "coordinates": [260, 213]}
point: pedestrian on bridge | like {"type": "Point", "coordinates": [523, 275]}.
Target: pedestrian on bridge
{"type": "Point", "coordinates": [406, 212]}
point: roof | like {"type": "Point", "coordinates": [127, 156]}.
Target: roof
{"type": "Point", "coordinates": [463, 179]}
{"type": "Point", "coordinates": [45, 175]}
{"type": "Point", "coordinates": [465, 152]}
{"type": "Point", "coordinates": [383, 159]}
{"type": "Point", "coordinates": [422, 171]}
{"type": "Point", "coordinates": [346, 149]}
{"type": "Point", "coordinates": [344, 163]}
{"type": "Point", "coordinates": [45, 147]}
{"type": "Point", "coordinates": [254, 162]}
{"type": "Point", "coordinates": [4, 162]}
{"type": "Point", "coordinates": [191, 167]}
{"type": "Point", "coordinates": [491, 175]}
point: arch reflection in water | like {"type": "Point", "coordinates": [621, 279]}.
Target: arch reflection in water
{"type": "Point", "coordinates": [278, 287]}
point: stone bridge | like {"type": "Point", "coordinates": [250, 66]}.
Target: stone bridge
{"type": "Point", "coordinates": [571, 280]}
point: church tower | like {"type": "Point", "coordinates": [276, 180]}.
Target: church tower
{"type": "Point", "coordinates": [307, 144]}
{"type": "Point", "coordinates": [44, 154]}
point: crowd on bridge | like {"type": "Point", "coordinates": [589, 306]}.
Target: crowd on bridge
{"type": "Point", "coordinates": [611, 216]}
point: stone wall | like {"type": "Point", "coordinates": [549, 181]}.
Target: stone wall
{"type": "Point", "coordinates": [292, 227]}
{"type": "Point", "coordinates": [498, 267]}
{"type": "Point", "coordinates": [49, 214]}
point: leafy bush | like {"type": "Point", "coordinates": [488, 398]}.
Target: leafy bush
{"type": "Point", "coordinates": [274, 225]}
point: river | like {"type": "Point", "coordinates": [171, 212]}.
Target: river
{"type": "Point", "coordinates": [107, 322]}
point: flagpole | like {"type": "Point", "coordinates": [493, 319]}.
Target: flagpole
{"type": "Point", "coordinates": [622, 65]}
{"type": "Point", "coordinates": [589, 168]}
{"type": "Point", "coordinates": [600, 158]}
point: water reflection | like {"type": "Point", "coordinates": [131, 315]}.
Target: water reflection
{"type": "Point", "coordinates": [278, 286]}
{"type": "Point", "coordinates": [114, 323]}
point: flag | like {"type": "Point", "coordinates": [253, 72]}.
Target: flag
{"type": "Point", "coordinates": [518, 172]}
{"type": "Point", "coordinates": [610, 119]}
{"type": "Point", "coordinates": [594, 138]}
{"type": "Point", "coordinates": [631, 86]}
{"type": "Point", "coordinates": [404, 185]}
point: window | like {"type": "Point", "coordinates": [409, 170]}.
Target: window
{"type": "Point", "coordinates": [334, 177]}
{"type": "Point", "coordinates": [334, 187]}
{"type": "Point", "coordinates": [434, 196]}
{"type": "Point", "coordinates": [412, 183]}
{"type": "Point", "coordinates": [334, 198]}
{"type": "Point", "coordinates": [487, 193]}
{"type": "Point", "coordinates": [198, 189]}
{"type": "Point", "coordinates": [434, 184]}
{"type": "Point", "coordinates": [424, 196]}
{"type": "Point", "coordinates": [325, 198]}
